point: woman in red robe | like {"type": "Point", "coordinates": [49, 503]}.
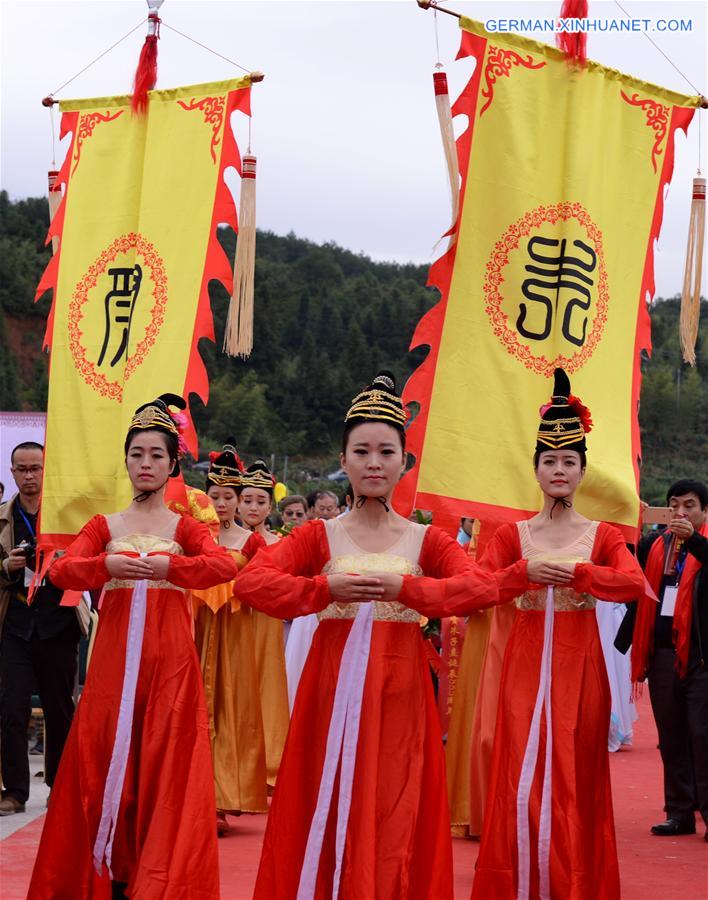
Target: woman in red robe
{"type": "Point", "coordinates": [360, 808]}
{"type": "Point", "coordinates": [548, 824]}
{"type": "Point", "coordinates": [132, 809]}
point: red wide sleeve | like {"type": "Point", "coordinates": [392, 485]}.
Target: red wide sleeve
{"type": "Point", "coordinates": [502, 556]}
{"type": "Point", "coordinates": [452, 584]}
{"type": "Point", "coordinates": [613, 574]}
{"type": "Point", "coordinates": [204, 563]}
{"type": "Point", "coordinates": [253, 545]}
{"type": "Point", "coordinates": [284, 580]}
{"type": "Point", "coordinates": [83, 566]}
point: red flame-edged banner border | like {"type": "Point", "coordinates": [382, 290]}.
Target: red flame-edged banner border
{"type": "Point", "coordinates": [447, 511]}
{"type": "Point", "coordinates": [217, 266]}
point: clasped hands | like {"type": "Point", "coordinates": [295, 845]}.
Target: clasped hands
{"type": "Point", "coordinates": [364, 588]}
{"type": "Point", "coordinates": [543, 571]}
{"type": "Point", "coordinates": [387, 586]}
{"type": "Point", "coordinates": [149, 568]}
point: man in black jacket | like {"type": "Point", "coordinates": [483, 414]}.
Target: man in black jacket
{"type": "Point", "coordinates": [679, 702]}
{"type": "Point", "coordinates": [38, 642]}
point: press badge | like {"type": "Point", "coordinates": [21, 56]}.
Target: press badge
{"type": "Point", "coordinates": [668, 603]}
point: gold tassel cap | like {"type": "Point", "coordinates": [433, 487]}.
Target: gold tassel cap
{"type": "Point", "coordinates": [442, 104]}
{"type": "Point", "coordinates": [54, 196]}
{"type": "Point", "coordinates": [238, 338]}
{"type": "Point", "coordinates": [692, 273]}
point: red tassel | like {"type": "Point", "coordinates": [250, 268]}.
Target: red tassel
{"type": "Point", "coordinates": [146, 73]}
{"type": "Point", "coordinates": [574, 44]}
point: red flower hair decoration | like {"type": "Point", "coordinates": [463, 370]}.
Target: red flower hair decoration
{"type": "Point", "coordinates": [582, 412]}
{"type": "Point", "coordinates": [579, 408]}
{"type": "Point", "coordinates": [182, 422]}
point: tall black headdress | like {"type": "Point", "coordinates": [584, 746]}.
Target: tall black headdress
{"type": "Point", "coordinates": [257, 475]}
{"type": "Point", "coordinates": [226, 467]}
{"type": "Point", "coordinates": [564, 421]}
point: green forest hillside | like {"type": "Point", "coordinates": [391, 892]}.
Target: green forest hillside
{"type": "Point", "coordinates": [325, 319]}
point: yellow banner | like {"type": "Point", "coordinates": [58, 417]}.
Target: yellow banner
{"type": "Point", "coordinates": [137, 226]}
{"type": "Point", "coordinates": [563, 176]}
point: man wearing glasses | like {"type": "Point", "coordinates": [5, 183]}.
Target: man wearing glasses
{"type": "Point", "coordinates": [38, 643]}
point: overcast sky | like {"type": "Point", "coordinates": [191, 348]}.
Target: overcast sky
{"type": "Point", "coordinates": [344, 124]}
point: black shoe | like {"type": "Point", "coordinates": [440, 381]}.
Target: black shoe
{"type": "Point", "coordinates": [671, 827]}
{"type": "Point", "coordinates": [10, 805]}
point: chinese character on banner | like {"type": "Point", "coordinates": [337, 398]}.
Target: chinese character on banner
{"type": "Point", "coordinates": [558, 284]}
{"type": "Point", "coordinates": [119, 304]}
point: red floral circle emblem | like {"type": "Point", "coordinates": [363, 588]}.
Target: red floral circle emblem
{"type": "Point", "coordinates": [503, 328]}
{"type": "Point", "coordinates": [151, 260]}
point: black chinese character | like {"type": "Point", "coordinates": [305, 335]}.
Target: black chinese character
{"type": "Point", "coordinates": [119, 313]}
{"type": "Point", "coordinates": [553, 274]}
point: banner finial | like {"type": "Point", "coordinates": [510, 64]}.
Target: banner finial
{"type": "Point", "coordinates": [146, 73]}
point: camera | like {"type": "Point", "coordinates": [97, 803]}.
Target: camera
{"type": "Point", "coordinates": [29, 548]}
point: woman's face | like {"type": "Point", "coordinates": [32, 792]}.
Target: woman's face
{"type": "Point", "coordinates": [374, 459]}
{"type": "Point", "coordinates": [253, 506]}
{"type": "Point", "coordinates": [148, 462]}
{"type": "Point", "coordinates": [559, 473]}
{"type": "Point", "coordinates": [225, 502]}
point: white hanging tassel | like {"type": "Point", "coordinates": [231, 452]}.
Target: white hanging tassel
{"type": "Point", "coordinates": [238, 339]}
{"type": "Point", "coordinates": [442, 102]}
{"type": "Point", "coordinates": [54, 196]}
{"type": "Point", "coordinates": [691, 293]}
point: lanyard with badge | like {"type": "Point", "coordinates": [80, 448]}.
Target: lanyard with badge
{"type": "Point", "coordinates": [668, 602]}
{"type": "Point", "coordinates": [29, 573]}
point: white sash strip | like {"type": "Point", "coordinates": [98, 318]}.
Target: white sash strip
{"type": "Point", "coordinates": [342, 740]}
{"type": "Point", "coordinates": [543, 702]}
{"type": "Point", "coordinates": [103, 847]}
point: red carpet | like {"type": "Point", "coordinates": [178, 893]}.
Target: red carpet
{"type": "Point", "coordinates": [662, 868]}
